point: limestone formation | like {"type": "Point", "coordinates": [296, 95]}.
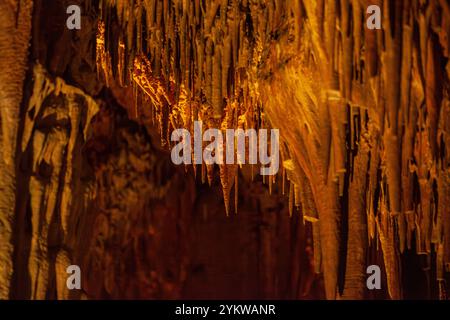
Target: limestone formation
{"type": "Point", "coordinates": [364, 128]}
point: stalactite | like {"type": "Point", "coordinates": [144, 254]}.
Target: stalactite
{"type": "Point", "coordinates": [291, 198]}
{"type": "Point", "coordinates": [385, 229]}
{"type": "Point", "coordinates": [357, 242]}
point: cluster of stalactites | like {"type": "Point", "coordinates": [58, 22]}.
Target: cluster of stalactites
{"type": "Point", "coordinates": [191, 60]}
{"type": "Point", "coordinates": [363, 113]}
{"type": "Point", "coordinates": [369, 114]}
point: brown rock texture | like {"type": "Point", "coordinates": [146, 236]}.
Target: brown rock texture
{"type": "Point", "coordinates": [86, 176]}
{"type": "Point", "coordinates": [15, 29]}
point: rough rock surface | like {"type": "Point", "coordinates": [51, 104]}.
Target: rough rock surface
{"type": "Point", "coordinates": [364, 121]}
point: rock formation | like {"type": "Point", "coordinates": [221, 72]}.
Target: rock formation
{"type": "Point", "coordinates": [86, 120]}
